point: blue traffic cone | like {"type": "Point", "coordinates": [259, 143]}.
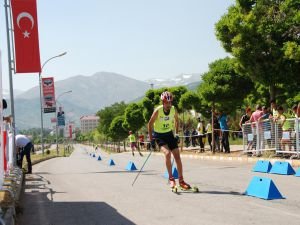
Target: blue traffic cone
{"type": "Point", "coordinates": [174, 173]}
{"type": "Point", "coordinates": [130, 166]}
{"type": "Point", "coordinates": [111, 162]}
{"type": "Point", "coordinates": [264, 188]}
{"type": "Point", "coordinates": [263, 166]}
{"type": "Point", "coordinates": [283, 168]}
{"type": "Point", "coordinates": [99, 158]}
{"type": "Point", "coordinates": [298, 173]}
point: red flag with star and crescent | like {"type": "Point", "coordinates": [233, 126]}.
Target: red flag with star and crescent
{"type": "Point", "coordinates": [27, 51]}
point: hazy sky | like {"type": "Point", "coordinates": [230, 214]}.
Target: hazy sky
{"type": "Point", "coordinates": [141, 39]}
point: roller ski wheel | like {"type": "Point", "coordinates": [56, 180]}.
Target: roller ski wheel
{"type": "Point", "coordinates": [195, 189]}
{"type": "Point", "coordinates": [174, 189]}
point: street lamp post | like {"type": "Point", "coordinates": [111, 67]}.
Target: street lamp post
{"type": "Point", "coordinates": [56, 130]}
{"type": "Point", "coordinates": [41, 101]}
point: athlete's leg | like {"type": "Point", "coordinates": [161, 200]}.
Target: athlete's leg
{"type": "Point", "coordinates": [177, 158]}
{"type": "Point", "coordinates": [167, 154]}
{"type": "Point", "coordinates": [132, 148]}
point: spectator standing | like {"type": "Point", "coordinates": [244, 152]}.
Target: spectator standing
{"type": "Point", "coordinates": [245, 118]}
{"type": "Point", "coordinates": [200, 129]}
{"type": "Point", "coordinates": [280, 120]}
{"type": "Point", "coordinates": [266, 125]}
{"type": "Point", "coordinates": [256, 128]}
{"type": "Point", "coordinates": [246, 129]}
{"type": "Point", "coordinates": [217, 131]}
{"type": "Point", "coordinates": [187, 138]}
{"type": "Point", "coordinates": [223, 120]}
{"type": "Point", "coordinates": [194, 137]}
{"type": "Point", "coordinates": [209, 134]}
{"type": "Point", "coordinates": [24, 146]}
{"type": "Point", "coordinates": [274, 108]}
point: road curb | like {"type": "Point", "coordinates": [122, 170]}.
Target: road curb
{"type": "Point", "coordinates": [228, 158]}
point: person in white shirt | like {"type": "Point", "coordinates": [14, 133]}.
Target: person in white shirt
{"type": "Point", "coordinates": [24, 146]}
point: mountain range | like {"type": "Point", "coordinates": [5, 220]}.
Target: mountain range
{"type": "Point", "coordinates": [89, 95]}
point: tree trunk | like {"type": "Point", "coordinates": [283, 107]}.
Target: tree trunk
{"type": "Point", "coordinates": [272, 90]}
{"type": "Point", "coordinates": [212, 128]}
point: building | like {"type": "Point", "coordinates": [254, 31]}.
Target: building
{"type": "Point", "coordinates": [88, 123]}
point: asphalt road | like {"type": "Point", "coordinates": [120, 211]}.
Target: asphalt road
{"type": "Point", "coordinates": [81, 190]}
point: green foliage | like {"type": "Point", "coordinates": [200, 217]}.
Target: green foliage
{"type": "Point", "coordinates": [134, 118]}
{"type": "Point", "coordinates": [148, 108]}
{"type": "Point", "coordinates": [177, 93]}
{"type": "Point", "coordinates": [264, 38]}
{"type": "Point", "coordinates": [223, 86]}
{"type": "Point", "coordinates": [107, 115]}
{"type": "Point", "coordinates": [116, 129]}
{"type": "Point", "coordinates": [190, 100]}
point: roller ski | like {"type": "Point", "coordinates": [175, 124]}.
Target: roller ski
{"type": "Point", "coordinates": [173, 184]}
{"type": "Point", "coordinates": [184, 187]}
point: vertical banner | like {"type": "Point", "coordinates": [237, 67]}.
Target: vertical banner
{"type": "Point", "coordinates": [70, 131]}
{"type": "Point", "coordinates": [27, 51]}
{"type": "Point", "coordinates": [48, 95]}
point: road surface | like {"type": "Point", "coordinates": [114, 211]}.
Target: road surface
{"type": "Point", "coordinates": [81, 190]}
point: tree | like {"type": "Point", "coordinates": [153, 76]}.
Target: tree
{"type": "Point", "coordinates": [108, 113]}
{"type": "Point", "coordinates": [148, 108]}
{"type": "Point", "coordinates": [134, 118]}
{"type": "Point", "coordinates": [263, 35]}
{"type": "Point", "coordinates": [223, 86]}
{"type": "Point", "coordinates": [116, 129]}
{"type": "Point", "coordinates": [177, 93]}
{"type": "Point", "coordinates": [190, 100]}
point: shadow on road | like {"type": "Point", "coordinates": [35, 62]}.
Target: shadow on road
{"type": "Point", "coordinates": [221, 192]}
{"type": "Point", "coordinates": [39, 209]}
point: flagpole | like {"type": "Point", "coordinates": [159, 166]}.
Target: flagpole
{"type": "Point", "coordinates": [12, 44]}
{"type": "Point", "coordinates": [11, 91]}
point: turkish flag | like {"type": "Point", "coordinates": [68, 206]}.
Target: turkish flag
{"type": "Point", "coordinates": [27, 51]}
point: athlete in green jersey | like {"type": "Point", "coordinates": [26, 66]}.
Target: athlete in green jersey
{"type": "Point", "coordinates": [163, 121]}
{"type": "Point", "coordinates": [132, 141]}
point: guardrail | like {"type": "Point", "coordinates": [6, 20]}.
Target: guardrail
{"type": "Point", "coordinates": [270, 135]}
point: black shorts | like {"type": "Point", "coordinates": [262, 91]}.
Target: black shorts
{"type": "Point", "coordinates": [166, 139]}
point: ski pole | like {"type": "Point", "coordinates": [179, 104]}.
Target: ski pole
{"type": "Point", "coordinates": [141, 168]}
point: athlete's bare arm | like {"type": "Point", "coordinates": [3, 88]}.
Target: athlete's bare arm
{"type": "Point", "coordinates": [176, 122]}
{"type": "Point", "coordinates": [151, 122]}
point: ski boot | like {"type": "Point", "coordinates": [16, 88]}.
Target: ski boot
{"type": "Point", "coordinates": [141, 154]}
{"type": "Point", "coordinates": [186, 187]}
{"type": "Point", "coordinates": [132, 153]}
{"type": "Point", "coordinates": [183, 185]}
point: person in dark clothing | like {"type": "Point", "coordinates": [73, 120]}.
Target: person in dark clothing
{"type": "Point", "coordinates": [187, 138]}
{"type": "Point", "coordinates": [217, 132]}
{"type": "Point", "coordinates": [194, 137]}
{"type": "Point", "coordinates": [24, 147]}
